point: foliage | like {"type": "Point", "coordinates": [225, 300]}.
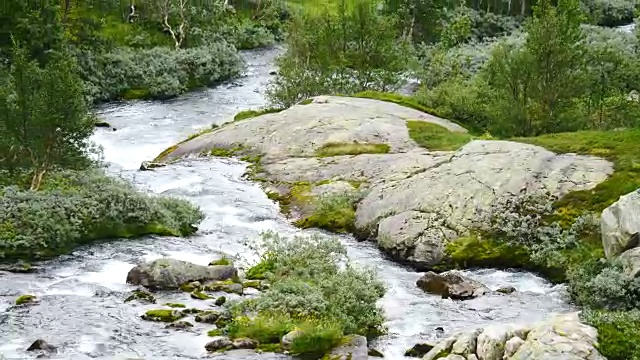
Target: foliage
{"type": "Point", "coordinates": [435, 137]}
{"type": "Point", "coordinates": [618, 332]}
{"type": "Point", "coordinates": [156, 73]}
{"type": "Point", "coordinates": [604, 285]}
{"type": "Point", "coordinates": [76, 208]}
{"type": "Point", "coordinates": [333, 213]}
{"type": "Point", "coordinates": [474, 251]}
{"type": "Point", "coordinates": [394, 98]}
{"type": "Point", "coordinates": [609, 12]}
{"type": "Point", "coordinates": [40, 132]}
{"type": "Point", "coordinates": [355, 148]}
{"type": "Point", "coordinates": [248, 114]}
{"type": "Point", "coordinates": [348, 51]}
{"type": "Point", "coordinates": [313, 289]}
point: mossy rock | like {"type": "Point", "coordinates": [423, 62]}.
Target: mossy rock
{"type": "Point", "coordinates": [199, 295]}
{"type": "Point", "coordinates": [175, 305]}
{"type": "Point", "coordinates": [191, 286]}
{"type": "Point", "coordinates": [191, 311]}
{"type": "Point", "coordinates": [220, 301]}
{"type": "Point", "coordinates": [141, 295]}
{"type": "Point", "coordinates": [163, 315]}
{"type": "Point", "coordinates": [26, 299]}
{"type": "Point", "coordinates": [225, 286]}
{"type": "Point", "coordinates": [180, 325]}
{"type": "Point", "coordinates": [256, 284]}
{"type": "Point", "coordinates": [222, 261]}
{"type": "Point", "coordinates": [208, 316]}
{"type": "Point", "coordinates": [215, 332]}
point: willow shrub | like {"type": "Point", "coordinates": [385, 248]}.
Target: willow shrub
{"type": "Point", "coordinates": [76, 208]}
{"type": "Point", "coordinates": [313, 289]}
{"type": "Point", "coordinates": [156, 73]}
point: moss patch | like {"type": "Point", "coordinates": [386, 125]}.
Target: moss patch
{"type": "Point", "coordinates": [355, 148]}
{"type": "Point", "coordinates": [215, 332]}
{"type": "Point", "coordinates": [200, 296]}
{"type": "Point", "coordinates": [333, 213]}
{"type": "Point", "coordinates": [163, 315]}
{"type": "Point", "coordinates": [141, 295]}
{"type": "Point", "coordinates": [25, 299]}
{"type": "Point", "coordinates": [175, 305]}
{"type": "Point", "coordinates": [223, 261]}
{"type": "Point", "coordinates": [261, 270]}
{"type": "Point", "coordinates": [436, 137]}
{"type": "Point", "coordinates": [620, 147]}
{"type": "Point", "coordinates": [248, 114]}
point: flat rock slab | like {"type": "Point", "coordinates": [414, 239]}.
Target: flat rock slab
{"type": "Point", "coordinates": [170, 274]}
{"type": "Point", "coordinates": [303, 129]}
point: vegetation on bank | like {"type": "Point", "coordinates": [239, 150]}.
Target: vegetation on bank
{"type": "Point", "coordinates": [312, 293]}
{"type": "Point", "coordinates": [355, 148]}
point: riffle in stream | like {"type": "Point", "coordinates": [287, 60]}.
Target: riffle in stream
{"type": "Point", "coordinates": [81, 308]}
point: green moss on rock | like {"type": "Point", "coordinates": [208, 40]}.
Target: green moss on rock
{"type": "Point", "coordinates": [175, 305]}
{"type": "Point", "coordinates": [141, 296]}
{"type": "Point", "coordinates": [355, 148]}
{"type": "Point", "coordinates": [220, 301]}
{"type": "Point", "coordinates": [163, 315]}
{"type": "Point", "coordinates": [222, 261]}
{"type": "Point", "coordinates": [435, 137]}
{"type": "Point", "coordinates": [248, 114]}
{"type": "Point", "coordinates": [333, 213]}
{"type": "Point", "coordinates": [261, 270]}
{"type": "Point", "coordinates": [199, 295]}
{"type": "Point", "coordinates": [25, 299]}
{"type": "Point", "coordinates": [215, 332]}
{"type": "Point", "coordinates": [225, 286]}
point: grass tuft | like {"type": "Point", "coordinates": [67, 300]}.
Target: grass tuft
{"type": "Point", "coordinates": [355, 148]}
{"type": "Point", "coordinates": [435, 137]}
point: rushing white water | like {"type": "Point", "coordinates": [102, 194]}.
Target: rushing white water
{"type": "Point", "coordinates": [81, 307]}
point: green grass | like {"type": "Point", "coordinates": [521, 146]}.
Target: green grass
{"type": "Point", "coordinates": [618, 333]}
{"type": "Point", "coordinates": [435, 137]}
{"type": "Point", "coordinates": [406, 101]}
{"type": "Point", "coordinates": [333, 213]}
{"type": "Point", "coordinates": [248, 114]}
{"type": "Point", "coordinates": [261, 270]}
{"type": "Point", "coordinates": [265, 329]}
{"type": "Point", "coordinates": [355, 148]}
{"type": "Point", "coordinates": [620, 147]}
{"type": "Point", "coordinates": [222, 261]}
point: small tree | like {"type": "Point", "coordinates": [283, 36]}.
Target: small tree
{"type": "Point", "coordinates": [347, 51]}
{"type": "Point", "coordinates": [44, 120]}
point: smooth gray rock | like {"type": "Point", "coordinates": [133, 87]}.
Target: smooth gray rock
{"type": "Point", "coordinates": [303, 129]}
{"type": "Point", "coordinates": [619, 223]}
{"type": "Point", "coordinates": [559, 337]}
{"type": "Point", "coordinates": [167, 274]}
{"type": "Point", "coordinates": [244, 343]}
{"type": "Point", "coordinates": [451, 284]}
{"type": "Point", "coordinates": [354, 349]}
{"type": "Point", "coordinates": [450, 195]}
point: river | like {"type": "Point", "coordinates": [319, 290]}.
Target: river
{"type": "Point", "coordinates": [81, 307]}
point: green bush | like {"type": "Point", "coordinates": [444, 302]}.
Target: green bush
{"type": "Point", "coordinates": [618, 333]}
{"type": "Point", "coordinates": [156, 73]}
{"type": "Point", "coordinates": [75, 208]}
{"type": "Point", "coordinates": [609, 12]}
{"type": "Point", "coordinates": [313, 291]}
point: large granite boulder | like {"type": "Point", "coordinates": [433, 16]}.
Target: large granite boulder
{"type": "Point", "coordinates": [620, 225]}
{"type": "Point", "coordinates": [414, 201]}
{"type": "Point", "coordinates": [451, 284]}
{"type": "Point", "coordinates": [168, 274]}
{"type": "Point", "coordinates": [559, 337]}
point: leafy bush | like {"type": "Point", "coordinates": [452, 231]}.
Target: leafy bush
{"type": "Point", "coordinates": [618, 333]}
{"type": "Point", "coordinates": [603, 285]}
{"type": "Point", "coordinates": [313, 289]}
{"type": "Point", "coordinates": [158, 72]}
{"type": "Point", "coordinates": [75, 208]}
{"type": "Point", "coordinates": [345, 52]}
{"type": "Point", "coordinates": [332, 212]}
{"type": "Point", "coordinates": [609, 12]}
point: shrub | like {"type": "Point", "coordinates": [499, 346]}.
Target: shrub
{"type": "Point", "coordinates": [602, 285]}
{"type": "Point", "coordinates": [75, 208]}
{"type": "Point", "coordinates": [609, 12]}
{"type": "Point", "coordinates": [156, 73]}
{"type": "Point", "coordinates": [618, 333]}
{"type": "Point", "coordinates": [333, 213]}
{"type": "Point", "coordinates": [314, 289]}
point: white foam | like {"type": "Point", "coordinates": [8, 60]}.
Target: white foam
{"type": "Point", "coordinates": [113, 275]}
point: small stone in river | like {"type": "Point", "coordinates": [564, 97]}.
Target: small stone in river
{"type": "Point", "coordinates": [199, 295]}
{"type": "Point", "coordinates": [244, 343]}
{"type": "Point", "coordinates": [439, 329]}
{"type": "Point", "coordinates": [26, 299]}
{"type": "Point", "coordinates": [375, 353]}
{"type": "Point", "coordinates": [208, 317]}
{"type": "Point", "coordinates": [219, 343]}
{"type": "Point", "coordinates": [180, 325]}
{"type": "Point", "coordinates": [221, 300]}
{"type": "Point", "coordinates": [142, 296]}
{"type": "Point", "coordinates": [419, 350]}
{"type": "Point", "coordinates": [42, 345]}
{"type": "Point", "coordinates": [225, 286]}
{"type": "Point", "coordinates": [506, 290]}
{"type": "Point", "coordinates": [162, 315]}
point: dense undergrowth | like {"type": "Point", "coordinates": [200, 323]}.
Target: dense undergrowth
{"type": "Point", "coordinates": [314, 291]}
{"type": "Point", "coordinates": [77, 208]}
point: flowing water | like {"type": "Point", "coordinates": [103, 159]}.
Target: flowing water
{"type": "Point", "coordinates": [81, 307]}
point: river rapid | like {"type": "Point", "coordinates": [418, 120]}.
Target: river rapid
{"type": "Point", "coordinates": [81, 309]}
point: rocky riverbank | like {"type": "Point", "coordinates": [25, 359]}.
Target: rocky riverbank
{"type": "Point", "coordinates": [413, 182]}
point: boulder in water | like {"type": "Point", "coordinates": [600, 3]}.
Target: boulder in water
{"type": "Point", "coordinates": [41, 345]}
{"type": "Point", "coordinates": [451, 284]}
{"type": "Point", "coordinates": [180, 325]}
{"type": "Point", "coordinates": [26, 299]}
{"type": "Point", "coordinates": [170, 274]}
{"type": "Point", "coordinates": [419, 350]}
{"type": "Point", "coordinates": [506, 290]}
{"type": "Point", "coordinates": [163, 315]}
{"type": "Point", "coordinates": [244, 343]}
{"type": "Point", "coordinates": [619, 225]}
{"type": "Point", "coordinates": [219, 343]}
{"type": "Point", "coordinates": [142, 296]}
{"type": "Point", "coordinates": [150, 165]}
{"type": "Point", "coordinates": [225, 286]}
